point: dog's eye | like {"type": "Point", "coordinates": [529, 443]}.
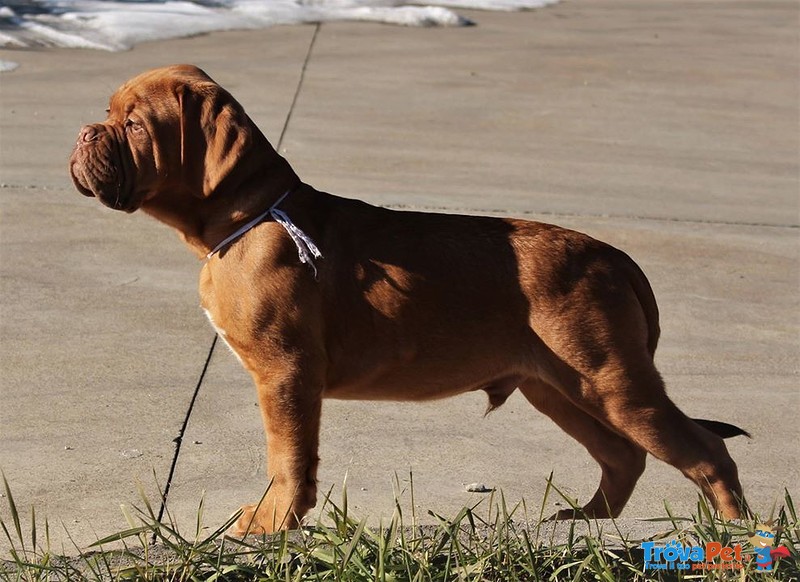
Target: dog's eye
{"type": "Point", "coordinates": [131, 125]}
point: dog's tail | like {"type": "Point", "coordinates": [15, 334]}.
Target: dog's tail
{"type": "Point", "coordinates": [722, 429]}
{"type": "Point", "coordinates": [644, 293]}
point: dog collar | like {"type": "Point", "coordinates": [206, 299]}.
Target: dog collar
{"type": "Point", "coordinates": [306, 249]}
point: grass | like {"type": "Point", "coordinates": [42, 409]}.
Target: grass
{"type": "Point", "coordinates": [486, 542]}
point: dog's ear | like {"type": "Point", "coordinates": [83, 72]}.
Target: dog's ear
{"type": "Point", "coordinates": [216, 135]}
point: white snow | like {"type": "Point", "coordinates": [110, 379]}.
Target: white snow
{"type": "Point", "coordinates": [119, 25]}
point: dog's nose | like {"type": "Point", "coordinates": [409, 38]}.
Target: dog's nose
{"type": "Point", "coordinates": [88, 133]}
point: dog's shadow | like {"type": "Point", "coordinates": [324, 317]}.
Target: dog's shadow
{"type": "Point", "coordinates": [421, 296]}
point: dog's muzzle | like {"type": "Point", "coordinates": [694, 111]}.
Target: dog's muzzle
{"type": "Point", "coordinates": [101, 165]}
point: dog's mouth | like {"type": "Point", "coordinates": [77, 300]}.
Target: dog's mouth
{"type": "Point", "coordinates": [101, 166]}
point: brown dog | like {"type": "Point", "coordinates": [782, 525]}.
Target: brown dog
{"type": "Point", "coordinates": [400, 306]}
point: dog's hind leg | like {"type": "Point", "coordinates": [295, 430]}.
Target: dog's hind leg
{"type": "Point", "coordinates": [615, 381]}
{"type": "Point", "coordinates": [598, 337]}
{"type": "Point", "coordinates": [621, 461]}
{"type": "Point", "coordinates": [631, 398]}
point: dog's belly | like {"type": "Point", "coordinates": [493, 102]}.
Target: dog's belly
{"type": "Point", "coordinates": [407, 388]}
{"type": "Point", "coordinates": [380, 372]}
{"type": "Point", "coordinates": [419, 332]}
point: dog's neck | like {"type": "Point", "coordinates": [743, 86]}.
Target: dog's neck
{"type": "Point", "coordinates": [204, 222]}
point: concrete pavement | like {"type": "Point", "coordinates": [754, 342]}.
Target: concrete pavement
{"type": "Point", "coordinates": [667, 129]}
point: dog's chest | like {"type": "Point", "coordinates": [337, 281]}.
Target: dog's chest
{"type": "Point", "coordinates": [208, 298]}
{"type": "Point", "coordinates": [222, 335]}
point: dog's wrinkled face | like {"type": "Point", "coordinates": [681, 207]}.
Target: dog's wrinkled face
{"type": "Point", "coordinates": [115, 160]}
{"type": "Point", "coordinates": [102, 165]}
{"type": "Point", "coordinates": [170, 130]}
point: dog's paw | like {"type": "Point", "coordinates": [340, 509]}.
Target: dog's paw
{"type": "Point", "coordinates": [567, 515]}
{"type": "Point", "coordinates": [580, 514]}
{"type": "Point", "coordinates": [261, 520]}
{"type": "Point", "coordinates": [251, 522]}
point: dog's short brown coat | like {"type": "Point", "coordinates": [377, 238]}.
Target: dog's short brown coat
{"type": "Point", "coordinates": [405, 305]}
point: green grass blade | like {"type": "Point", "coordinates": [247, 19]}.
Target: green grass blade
{"type": "Point", "coordinates": [12, 506]}
{"type": "Point", "coordinates": [119, 536]}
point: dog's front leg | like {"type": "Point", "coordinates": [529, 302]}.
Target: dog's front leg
{"type": "Point", "coordinates": [290, 403]}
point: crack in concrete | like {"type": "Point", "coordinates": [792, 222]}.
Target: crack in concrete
{"type": "Point", "coordinates": [178, 440]}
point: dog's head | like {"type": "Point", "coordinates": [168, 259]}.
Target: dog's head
{"type": "Point", "coordinates": [170, 131]}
